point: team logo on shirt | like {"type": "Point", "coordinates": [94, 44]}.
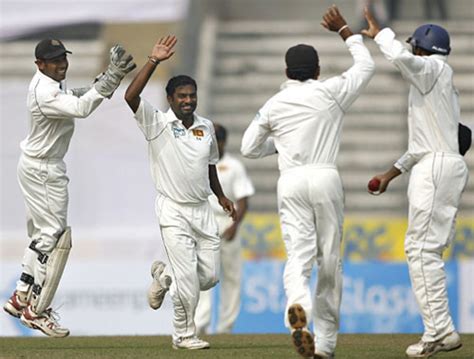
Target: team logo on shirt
{"type": "Point", "coordinates": [198, 133]}
{"type": "Point", "coordinates": [178, 132]}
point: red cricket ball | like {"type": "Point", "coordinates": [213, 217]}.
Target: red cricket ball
{"type": "Point", "coordinates": [374, 185]}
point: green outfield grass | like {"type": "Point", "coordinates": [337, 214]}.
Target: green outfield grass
{"type": "Point", "coordinates": [383, 346]}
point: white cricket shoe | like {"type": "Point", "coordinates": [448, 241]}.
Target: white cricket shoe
{"type": "Point", "coordinates": [190, 343]}
{"type": "Point", "coordinates": [423, 349]}
{"type": "Point", "coordinates": [303, 339]}
{"type": "Point", "coordinates": [47, 322]}
{"type": "Point", "coordinates": [159, 286]}
{"type": "Point", "coordinates": [16, 303]}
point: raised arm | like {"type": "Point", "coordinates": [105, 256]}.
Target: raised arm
{"type": "Point", "coordinates": [57, 105]}
{"type": "Point", "coordinates": [418, 70]}
{"type": "Point", "coordinates": [346, 88]}
{"type": "Point", "coordinates": [120, 65]}
{"type": "Point", "coordinates": [79, 103]}
{"type": "Point", "coordinates": [333, 21]}
{"type": "Point", "coordinates": [163, 50]}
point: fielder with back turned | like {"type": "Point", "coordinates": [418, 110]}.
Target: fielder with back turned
{"type": "Point", "coordinates": [303, 123]}
{"type": "Point", "coordinates": [43, 180]}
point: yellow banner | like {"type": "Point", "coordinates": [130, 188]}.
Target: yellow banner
{"type": "Point", "coordinates": [378, 239]}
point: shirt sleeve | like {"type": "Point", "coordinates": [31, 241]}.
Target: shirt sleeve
{"type": "Point", "coordinates": [406, 162]}
{"type": "Point", "coordinates": [420, 71]}
{"type": "Point", "coordinates": [347, 87]}
{"type": "Point", "coordinates": [242, 186]}
{"type": "Point", "coordinates": [59, 105]}
{"type": "Point", "coordinates": [214, 153]}
{"type": "Point", "coordinates": [256, 141]}
{"type": "Point", "coordinates": [151, 121]}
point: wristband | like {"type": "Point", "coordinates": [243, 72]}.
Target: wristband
{"type": "Point", "coordinates": [153, 60]}
{"type": "Point", "coordinates": [342, 29]}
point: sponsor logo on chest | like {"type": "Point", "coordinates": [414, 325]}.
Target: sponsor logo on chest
{"type": "Point", "coordinates": [181, 132]}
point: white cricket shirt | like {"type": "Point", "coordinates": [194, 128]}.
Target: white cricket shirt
{"type": "Point", "coordinates": [235, 183]}
{"type": "Point", "coordinates": [433, 105]}
{"type": "Point", "coordinates": [179, 157]}
{"type": "Point", "coordinates": [305, 118]}
{"type": "Point", "coordinates": [52, 113]}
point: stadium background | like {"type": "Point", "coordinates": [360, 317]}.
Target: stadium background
{"type": "Point", "coordinates": [235, 50]}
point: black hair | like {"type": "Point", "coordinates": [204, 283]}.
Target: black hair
{"type": "Point", "coordinates": [302, 62]}
{"type": "Point", "coordinates": [177, 81]}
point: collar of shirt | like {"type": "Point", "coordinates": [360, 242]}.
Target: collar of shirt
{"type": "Point", "coordinates": [292, 83]}
{"type": "Point", "coordinates": [50, 81]}
{"type": "Point", "coordinates": [443, 58]}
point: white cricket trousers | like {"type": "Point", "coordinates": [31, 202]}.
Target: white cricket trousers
{"type": "Point", "coordinates": [191, 241]}
{"type": "Point", "coordinates": [44, 186]}
{"type": "Point", "coordinates": [311, 205]}
{"type": "Point", "coordinates": [434, 192]}
{"type": "Point", "coordinates": [230, 279]}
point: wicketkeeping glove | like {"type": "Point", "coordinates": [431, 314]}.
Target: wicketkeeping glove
{"type": "Point", "coordinates": [119, 66]}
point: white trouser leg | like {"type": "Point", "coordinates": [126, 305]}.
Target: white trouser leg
{"type": "Point", "coordinates": [208, 245]}
{"type": "Point", "coordinates": [299, 236]}
{"type": "Point", "coordinates": [184, 290]}
{"type": "Point", "coordinates": [229, 304]}
{"type": "Point", "coordinates": [44, 186]}
{"type": "Point", "coordinates": [311, 204]}
{"type": "Point", "coordinates": [190, 238]}
{"type": "Point", "coordinates": [202, 318]}
{"type": "Point", "coordinates": [327, 298]}
{"type": "Point", "coordinates": [231, 268]}
{"type": "Point", "coordinates": [434, 193]}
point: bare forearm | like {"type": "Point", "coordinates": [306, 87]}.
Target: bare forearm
{"type": "Point", "coordinates": [241, 209]}
{"type": "Point", "coordinates": [392, 173]}
{"type": "Point", "coordinates": [132, 95]}
{"type": "Point", "coordinates": [214, 182]}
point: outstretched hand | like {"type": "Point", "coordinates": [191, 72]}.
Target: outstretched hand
{"type": "Point", "coordinates": [120, 63]}
{"type": "Point", "coordinates": [164, 48]}
{"type": "Point", "coordinates": [333, 20]}
{"type": "Point", "coordinates": [373, 26]}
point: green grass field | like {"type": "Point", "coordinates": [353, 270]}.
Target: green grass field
{"type": "Point", "coordinates": [383, 346]}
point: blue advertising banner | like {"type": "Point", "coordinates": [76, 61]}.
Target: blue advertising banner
{"type": "Point", "coordinates": [377, 298]}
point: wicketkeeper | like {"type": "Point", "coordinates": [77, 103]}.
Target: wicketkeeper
{"type": "Point", "coordinates": [43, 179]}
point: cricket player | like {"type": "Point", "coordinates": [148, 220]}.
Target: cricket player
{"type": "Point", "coordinates": [43, 179]}
{"type": "Point", "coordinates": [237, 185]}
{"type": "Point", "coordinates": [183, 155]}
{"type": "Point", "coordinates": [302, 123]}
{"type": "Point", "coordinates": [438, 173]}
